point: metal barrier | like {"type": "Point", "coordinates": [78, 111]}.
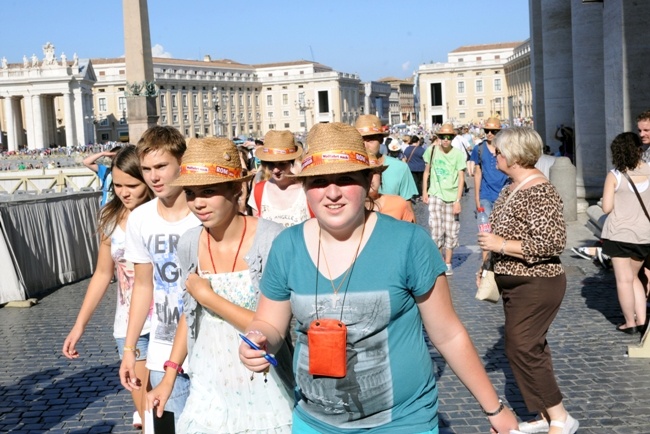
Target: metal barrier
{"type": "Point", "coordinates": [49, 180]}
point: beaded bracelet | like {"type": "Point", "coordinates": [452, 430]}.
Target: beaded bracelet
{"type": "Point", "coordinates": [494, 413]}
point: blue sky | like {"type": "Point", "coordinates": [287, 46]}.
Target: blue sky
{"type": "Point", "coordinates": [374, 39]}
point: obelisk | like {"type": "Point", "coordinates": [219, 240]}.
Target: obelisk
{"type": "Point", "coordinates": [141, 105]}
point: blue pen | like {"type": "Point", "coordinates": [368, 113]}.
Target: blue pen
{"type": "Point", "coordinates": [252, 344]}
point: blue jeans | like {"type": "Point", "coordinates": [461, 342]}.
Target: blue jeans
{"type": "Point", "coordinates": [487, 206]}
{"type": "Point", "coordinates": [180, 392]}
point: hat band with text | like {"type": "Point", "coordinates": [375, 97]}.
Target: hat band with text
{"type": "Point", "coordinates": [210, 169]}
{"type": "Point", "coordinates": [280, 151]}
{"type": "Point", "coordinates": [328, 157]}
{"type": "Point", "coordinates": [370, 130]}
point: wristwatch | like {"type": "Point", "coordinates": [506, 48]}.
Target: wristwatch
{"type": "Point", "coordinates": [173, 365]}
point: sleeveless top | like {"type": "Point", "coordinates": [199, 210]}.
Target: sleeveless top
{"type": "Point", "coordinates": [627, 222]}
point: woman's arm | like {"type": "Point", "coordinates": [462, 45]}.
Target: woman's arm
{"type": "Point", "coordinates": [608, 193]}
{"type": "Point", "coordinates": [237, 316]}
{"type": "Point", "coordinates": [96, 290]}
{"type": "Point", "coordinates": [270, 322]}
{"type": "Point", "coordinates": [450, 338]}
{"type": "Point", "coordinates": [160, 394]}
{"type": "Point", "coordinates": [425, 183]}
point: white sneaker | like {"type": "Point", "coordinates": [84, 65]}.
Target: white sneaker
{"type": "Point", "coordinates": [583, 252]}
{"type": "Point", "coordinates": [570, 426]}
{"type": "Point", "coordinates": [137, 421]}
{"type": "Point", "coordinates": [449, 271]}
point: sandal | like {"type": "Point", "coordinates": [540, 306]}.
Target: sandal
{"type": "Point", "coordinates": [569, 426]}
{"type": "Point", "coordinates": [535, 426]}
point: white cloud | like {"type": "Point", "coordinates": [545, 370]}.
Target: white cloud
{"type": "Point", "coordinates": [406, 66]}
{"type": "Point", "coordinates": [159, 51]}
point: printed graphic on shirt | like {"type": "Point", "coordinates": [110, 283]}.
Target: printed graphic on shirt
{"type": "Point", "coordinates": [367, 389]}
{"type": "Point", "coordinates": [168, 301]}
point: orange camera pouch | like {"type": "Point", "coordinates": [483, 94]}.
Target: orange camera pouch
{"type": "Point", "coordinates": [327, 340]}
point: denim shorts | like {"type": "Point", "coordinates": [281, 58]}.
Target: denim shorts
{"type": "Point", "coordinates": [180, 392]}
{"type": "Point", "coordinates": [142, 345]}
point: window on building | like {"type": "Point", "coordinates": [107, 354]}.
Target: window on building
{"type": "Point", "coordinates": [285, 113]}
{"type": "Point", "coordinates": [479, 101]}
{"type": "Point", "coordinates": [436, 94]}
{"type": "Point", "coordinates": [163, 100]}
{"type": "Point", "coordinates": [241, 99]}
{"type": "Point", "coordinates": [461, 102]}
{"type": "Point", "coordinates": [187, 132]}
{"type": "Point", "coordinates": [271, 126]}
{"type": "Point", "coordinates": [286, 125]}
{"type": "Point", "coordinates": [104, 137]}
{"type": "Point", "coordinates": [175, 119]}
{"type": "Point", "coordinates": [269, 114]}
{"type": "Point", "coordinates": [186, 117]}
{"type": "Point", "coordinates": [269, 99]}
{"type": "Point", "coordinates": [103, 122]}
{"type": "Point", "coordinates": [196, 117]}
{"type": "Point", "coordinates": [101, 102]}
{"type": "Point", "coordinates": [184, 100]}
{"type": "Point", "coordinates": [479, 73]}
{"type": "Point", "coordinates": [461, 87]}
{"type": "Point", "coordinates": [285, 99]}
{"type": "Point", "coordinates": [121, 103]}
{"type": "Point", "coordinates": [206, 117]}
{"type": "Point", "coordinates": [497, 57]}
{"type": "Point", "coordinates": [479, 58]}
{"type": "Point", "coordinates": [461, 74]}
{"type": "Point", "coordinates": [479, 114]}
{"type": "Point", "coordinates": [323, 102]}
{"type": "Point", "coordinates": [461, 115]}
{"type": "Point", "coordinates": [163, 119]}
{"type": "Point", "coordinates": [174, 101]}
{"type": "Point", "coordinates": [436, 119]}
{"type": "Point", "coordinates": [479, 85]}
{"type": "Point", "coordinates": [460, 59]}
{"type": "Point", "coordinates": [497, 85]}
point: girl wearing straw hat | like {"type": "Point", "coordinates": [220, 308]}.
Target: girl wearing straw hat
{"type": "Point", "coordinates": [221, 263]}
{"type": "Point", "coordinates": [280, 199]}
{"type": "Point", "coordinates": [389, 204]}
{"type": "Point", "coordinates": [362, 364]}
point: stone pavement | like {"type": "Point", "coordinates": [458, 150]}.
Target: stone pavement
{"type": "Point", "coordinates": [41, 391]}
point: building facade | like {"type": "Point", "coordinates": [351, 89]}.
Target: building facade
{"type": "Point", "coordinates": [402, 103]}
{"type": "Point", "coordinates": [468, 88]}
{"type": "Point", "coordinates": [519, 86]}
{"type": "Point", "coordinates": [86, 101]}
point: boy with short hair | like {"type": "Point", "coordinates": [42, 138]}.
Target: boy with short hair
{"type": "Point", "coordinates": [152, 235]}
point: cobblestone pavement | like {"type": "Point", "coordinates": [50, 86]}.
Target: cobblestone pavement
{"type": "Point", "coordinates": [41, 391]}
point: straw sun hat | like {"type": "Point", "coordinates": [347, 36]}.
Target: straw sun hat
{"type": "Point", "coordinates": [492, 124]}
{"type": "Point", "coordinates": [211, 160]}
{"type": "Point", "coordinates": [334, 148]}
{"type": "Point", "coordinates": [446, 129]}
{"type": "Point", "coordinates": [278, 146]}
{"type": "Point", "coordinates": [369, 125]}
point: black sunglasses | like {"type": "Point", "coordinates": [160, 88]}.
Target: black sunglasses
{"type": "Point", "coordinates": [446, 137]}
{"type": "Point", "coordinates": [491, 131]}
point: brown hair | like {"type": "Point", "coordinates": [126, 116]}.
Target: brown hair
{"type": "Point", "coordinates": [128, 162]}
{"type": "Point", "coordinates": [167, 139]}
{"type": "Point", "coordinates": [644, 116]}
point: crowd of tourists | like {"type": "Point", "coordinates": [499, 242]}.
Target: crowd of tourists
{"type": "Point", "coordinates": [252, 291]}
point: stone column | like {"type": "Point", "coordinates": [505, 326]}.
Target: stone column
{"type": "Point", "coordinates": [139, 66]}
{"type": "Point", "coordinates": [558, 68]}
{"type": "Point", "coordinates": [70, 129]}
{"type": "Point", "coordinates": [80, 125]}
{"type": "Point", "coordinates": [588, 77]}
{"type": "Point", "coordinates": [12, 139]}
{"type": "Point", "coordinates": [37, 114]}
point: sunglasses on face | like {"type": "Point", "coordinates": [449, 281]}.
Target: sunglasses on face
{"type": "Point", "coordinates": [491, 131]}
{"type": "Point", "coordinates": [279, 164]}
{"type": "Point", "coordinates": [446, 137]}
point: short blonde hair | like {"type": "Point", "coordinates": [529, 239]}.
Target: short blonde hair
{"type": "Point", "coordinates": [519, 145]}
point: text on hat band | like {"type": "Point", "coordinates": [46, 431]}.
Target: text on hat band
{"type": "Point", "coordinates": [327, 157]}
{"type": "Point", "coordinates": [279, 150]}
{"type": "Point", "coordinates": [210, 169]}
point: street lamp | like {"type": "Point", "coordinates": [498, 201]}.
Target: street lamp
{"type": "Point", "coordinates": [303, 105]}
{"type": "Point", "coordinates": [215, 104]}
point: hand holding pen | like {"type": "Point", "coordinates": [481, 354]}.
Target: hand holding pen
{"type": "Point", "coordinates": [268, 357]}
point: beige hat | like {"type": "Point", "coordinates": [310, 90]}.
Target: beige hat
{"type": "Point", "coordinates": [278, 146]}
{"type": "Point", "coordinates": [334, 148]}
{"type": "Point", "coordinates": [211, 160]}
{"type": "Point", "coordinates": [369, 125]}
{"type": "Point", "coordinates": [446, 129]}
{"type": "Point", "coordinates": [492, 124]}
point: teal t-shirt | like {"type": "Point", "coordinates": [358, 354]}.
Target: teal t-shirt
{"type": "Point", "coordinates": [397, 179]}
{"type": "Point", "coordinates": [390, 386]}
{"type": "Point", "coordinates": [443, 175]}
